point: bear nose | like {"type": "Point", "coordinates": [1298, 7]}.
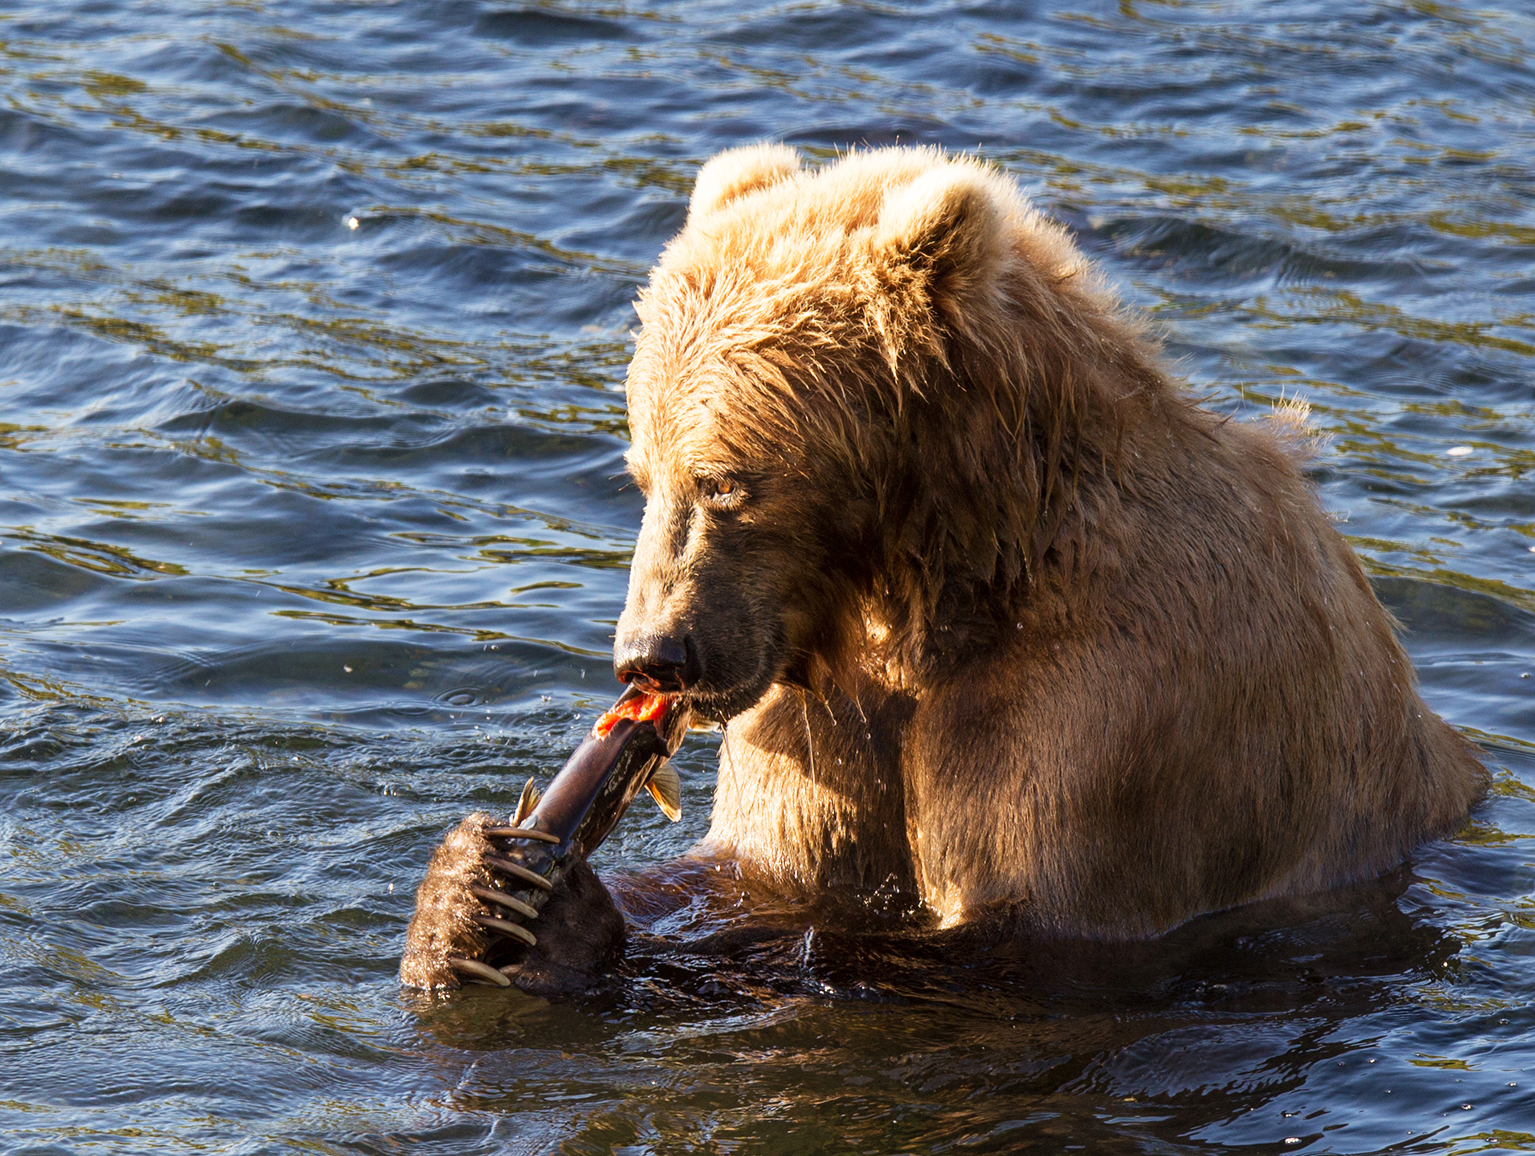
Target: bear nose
{"type": "Point", "coordinates": [660, 663]}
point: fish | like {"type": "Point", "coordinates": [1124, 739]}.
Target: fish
{"type": "Point", "coordinates": [628, 750]}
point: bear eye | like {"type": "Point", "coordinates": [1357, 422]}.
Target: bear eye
{"type": "Point", "coordinates": [722, 493]}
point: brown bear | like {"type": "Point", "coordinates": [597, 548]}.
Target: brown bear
{"type": "Point", "coordinates": [994, 613]}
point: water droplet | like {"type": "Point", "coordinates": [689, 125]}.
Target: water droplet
{"type": "Point", "coordinates": [1458, 451]}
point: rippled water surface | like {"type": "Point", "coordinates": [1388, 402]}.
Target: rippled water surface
{"type": "Point", "coordinates": [313, 318]}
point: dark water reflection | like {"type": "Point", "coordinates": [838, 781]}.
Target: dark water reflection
{"type": "Point", "coordinates": [313, 317]}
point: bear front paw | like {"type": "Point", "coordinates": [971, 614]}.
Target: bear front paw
{"type": "Point", "coordinates": [469, 926]}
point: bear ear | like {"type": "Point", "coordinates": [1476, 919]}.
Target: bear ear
{"type": "Point", "coordinates": [949, 221]}
{"type": "Point", "coordinates": [735, 173]}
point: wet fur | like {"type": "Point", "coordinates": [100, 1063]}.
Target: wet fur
{"type": "Point", "coordinates": [1003, 616]}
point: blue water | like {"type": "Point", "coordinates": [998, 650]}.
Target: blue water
{"type": "Point", "coordinates": [313, 531]}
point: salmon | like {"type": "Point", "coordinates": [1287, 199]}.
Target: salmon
{"type": "Point", "coordinates": [626, 751]}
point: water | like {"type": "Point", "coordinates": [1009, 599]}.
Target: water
{"type": "Point", "coordinates": [313, 317]}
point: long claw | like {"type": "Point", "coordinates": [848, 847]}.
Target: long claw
{"type": "Point", "coordinates": [516, 930]}
{"type": "Point", "coordinates": [518, 871]}
{"type": "Point", "coordinates": [522, 833]}
{"type": "Point", "coordinates": [491, 895]}
{"type": "Point", "coordinates": [481, 971]}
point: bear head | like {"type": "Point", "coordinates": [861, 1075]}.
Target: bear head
{"type": "Point", "coordinates": [840, 420]}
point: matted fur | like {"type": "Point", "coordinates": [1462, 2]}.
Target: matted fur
{"type": "Point", "coordinates": [443, 923]}
{"type": "Point", "coordinates": [995, 611]}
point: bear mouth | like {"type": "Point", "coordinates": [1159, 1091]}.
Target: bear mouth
{"type": "Point", "coordinates": [722, 706]}
{"type": "Point", "coordinates": [722, 703]}
{"type": "Point", "coordinates": [722, 676]}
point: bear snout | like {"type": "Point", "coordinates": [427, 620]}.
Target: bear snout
{"type": "Point", "coordinates": [664, 662]}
